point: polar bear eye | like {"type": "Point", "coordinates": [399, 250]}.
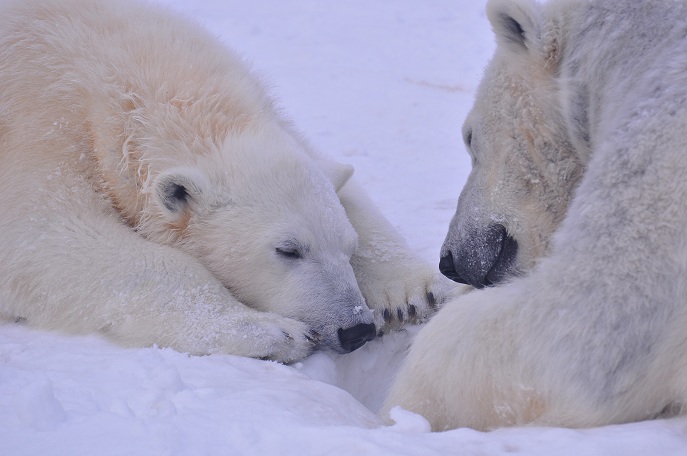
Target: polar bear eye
{"type": "Point", "coordinates": [290, 252]}
{"type": "Point", "coordinates": [468, 138]}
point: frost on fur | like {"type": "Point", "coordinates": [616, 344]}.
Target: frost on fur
{"type": "Point", "coordinates": [155, 195]}
{"type": "Point", "coordinates": [575, 208]}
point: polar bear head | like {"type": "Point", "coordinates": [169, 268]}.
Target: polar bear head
{"type": "Point", "coordinates": [525, 165]}
{"type": "Point", "coordinates": [265, 219]}
{"type": "Point", "coordinates": [194, 155]}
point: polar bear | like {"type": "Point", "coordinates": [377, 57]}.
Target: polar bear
{"type": "Point", "coordinates": [577, 205]}
{"type": "Point", "coordinates": [151, 192]}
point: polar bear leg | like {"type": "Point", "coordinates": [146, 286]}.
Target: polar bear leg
{"type": "Point", "coordinates": [396, 284]}
{"type": "Point", "coordinates": [87, 273]}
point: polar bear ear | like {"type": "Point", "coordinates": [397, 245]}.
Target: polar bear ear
{"type": "Point", "coordinates": [180, 190]}
{"type": "Point", "coordinates": [337, 173]}
{"type": "Point", "coordinates": [515, 23]}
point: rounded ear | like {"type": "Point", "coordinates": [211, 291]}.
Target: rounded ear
{"type": "Point", "coordinates": [337, 173]}
{"type": "Point", "coordinates": [340, 175]}
{"type": "Point", "coordinates": [180, 190]}
{"type": "Point", "coordinates": [515, 23]}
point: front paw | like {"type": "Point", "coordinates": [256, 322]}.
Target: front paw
{"type": "Point", "coordinates": [410, 295]}
{"type": "Point", "coordinates": [269, 336]}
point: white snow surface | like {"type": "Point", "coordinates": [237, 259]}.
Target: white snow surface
{"type": "Point", "coordinates": [383, 85]}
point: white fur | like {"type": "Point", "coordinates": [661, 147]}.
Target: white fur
{"type": "Point", "coordinates": [148, 186]}
{"type": "Point", "coordinates": [596, 333]}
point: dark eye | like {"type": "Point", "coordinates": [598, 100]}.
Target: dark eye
{"type": "Point", "coordinates": [468, 138]}
{"type": "Point", "coordinates": [288, 252]}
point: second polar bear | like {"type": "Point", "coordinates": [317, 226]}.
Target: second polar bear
{"type": "Point", "coordinates": [149, 191]}
{"type": "Point", "coordinates": [579, 129]}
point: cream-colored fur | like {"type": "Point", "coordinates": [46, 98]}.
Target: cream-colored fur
{"type": "Point", "coordinates": [150, 191]}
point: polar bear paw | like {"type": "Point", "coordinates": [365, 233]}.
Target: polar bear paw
{"type": "Point", "coordinates": [407, 293]}
{"type": "Point", "coordinates": [272, 337]}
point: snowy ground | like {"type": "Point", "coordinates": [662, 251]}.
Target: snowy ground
{"type": "Point", "coordinates": [383, 85]}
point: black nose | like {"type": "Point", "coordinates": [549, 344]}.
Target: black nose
{"type": "Point", "coordinates": [355, 337]}
{"type": "Point", "coordinates": [486, 258]}
{"type": "Point", "coordinates": [448, 268]}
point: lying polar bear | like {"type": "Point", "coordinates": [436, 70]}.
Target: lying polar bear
{"type": "Point", "coordinates": [149, 191]}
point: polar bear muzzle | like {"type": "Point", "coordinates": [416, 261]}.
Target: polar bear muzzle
{"type": "Point", "coordinates": [484, 258]}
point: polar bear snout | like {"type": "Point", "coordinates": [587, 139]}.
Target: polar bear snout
{"type": "Point", "coordinates": [484, 258]}
{"type": "Point", "coordinates": [356, 336]}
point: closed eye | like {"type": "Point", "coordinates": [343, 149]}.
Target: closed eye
{"type": "Point", "coordinates": [289, 252]}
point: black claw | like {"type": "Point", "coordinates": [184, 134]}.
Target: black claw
{"type": "Point", "coordinates": [387, 315]}
{"type": "Point", "coordinates": [431, 300]}
{"type": "Point", "coordinates": [412, 311]}
{"type": "Point", "coordinates": [399, 312]}
{"type": "Point", "coordinates": [314, 337]}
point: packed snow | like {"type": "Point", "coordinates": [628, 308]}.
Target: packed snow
{"type": "Point", "coordinates": [384, 86]}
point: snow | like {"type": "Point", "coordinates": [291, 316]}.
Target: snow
{"type": "Point", "coordinates": [384, 86]}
